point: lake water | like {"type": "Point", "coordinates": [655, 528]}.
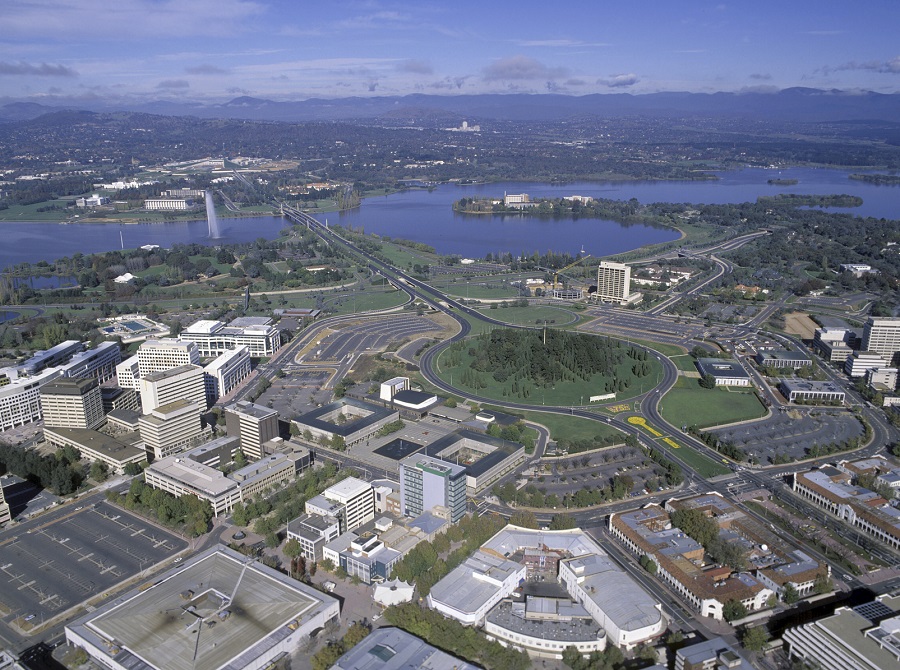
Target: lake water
{"type": "Point", "coordinates": [425, 216]}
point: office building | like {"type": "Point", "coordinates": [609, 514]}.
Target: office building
{"type": "Point", "coordinates": [60, 354]}
{"type": "Point", "coordinates": [115, 397]}
{"type": "Point", "coordinates": [313, 532]}
{"type": "Point", "coordinates": [613, 282]}
{"type": "Point", "coordinates": [128, 375]}
{"type": "Point", "coordinates": [168, 204]}
{"type": "Point", "coordinates": [214, 338]}
{"type": "Point", "coordinates": [99, 362]}
{"type": "Point", "coordinates": [20, 399]}
{"type": "Point", "coordinates": [714, 654]}
{"type": "Point", "coordinates": [882, 335]}
{"type": "Point", "coordinates": [865, 510]}
{"type": "Point", "coordinates": [349, 420]}
{"type": "Point", "coordinates": [225, 373]}
{"type": "Point", "coordinates": [356, 499]}
{"type": "Point", "coordinates": [170, 428]}
{"type": "Point", "coordinates": [395, 649]}
{"type": "Point", "coordinates": [801, 390]}
{"type": "Point", "coordinates": [834, 344]}
{"type": "Point", "coordinates": [426, 482]}
{"type": "Point", "coordinates": [72, 403]}
{"type": "Point", "coordinates": [253, 425]}
{"type": "Point", "coordinates": [183, 474]}
{"type": "Point", "coordinates": [165, 354]}
{"type": "Point", "coordinates": [619, 610]}
{"type": "Point", "coordinates": [724, 372]}
{"type": "Point", "coordinates": [182, 382]}
{"type": "Point", "coordinates": [117, 452]}
{"type": "Point", "coordinates": [218, 610]}
{"type": "Point", "coordinates": [860, 362]}
{"type": "Point", "coordinates": [392, 387]}
{"type": "Point", "coordinates": [865, 637]}
{"type": "Point", "coordinates": [782, 358]}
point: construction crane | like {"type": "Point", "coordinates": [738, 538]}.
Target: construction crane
{"type": "Point", "coordinates": [557, 273]}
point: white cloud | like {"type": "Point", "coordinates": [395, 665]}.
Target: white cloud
{"type": "Point", "coordinates": [520, 68]}
{"type": "Point", "coordinates": [36, 70]}
{"type": "Point", "coordinates": [619, 80]}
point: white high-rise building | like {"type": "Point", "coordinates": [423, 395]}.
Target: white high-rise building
{"type": "Point", "coordinates": [226, 372]}
{"type": "Point", "coordinates": [171, 428]}
{"type": "Point", "coordinates": [613, 282]}
{"type": "Point", "coordinates": [165, 354]}
{"type": "Point", "coordinates": [182, 382]}
{"type": "Point", "coordinates": [882, 335]}
{"type": "Point", "coordinates": [357, 499]}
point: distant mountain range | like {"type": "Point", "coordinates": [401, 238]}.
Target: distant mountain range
{"type": "Point", "coordinates": [792, 104]}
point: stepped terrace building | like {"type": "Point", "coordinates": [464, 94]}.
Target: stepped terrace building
{"type": "Point", "coordinates": [214, 338]}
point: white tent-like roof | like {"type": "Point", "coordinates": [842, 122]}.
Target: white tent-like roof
{"type": "Point", "coordinates": [393, 593]}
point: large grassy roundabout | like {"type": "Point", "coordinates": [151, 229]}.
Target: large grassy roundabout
{"type": "Point", "coordinates": [516, 365]}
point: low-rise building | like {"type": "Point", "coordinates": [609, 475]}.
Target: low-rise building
{"type": "Point", "coordinates": [117, 452]}
{"type": "Point", "coordinates": [865, 510]}
{"type": "Point", "coordinates": [346, 419]}
{"type": "Point", "coordinates": [20, 397]}
{"type": "Point", "coordinates": [782, 358]}
{"type": "Point", "coordinates": [395, 649]}
{"type": "Point", "coordinates": [714, 654]}
{"type": "Point", "coordinates": [168, 204]}
{"type": "Point", "coordinates": [725, 372]}
{"type": "Point", "coordinates": [623, 613]}
{"type": "Point", "coordinates": [803, 390]}
{"type": "Point", "coordinates": [99, 362]}
{"type": "Point", "coordinates": [313, 532]}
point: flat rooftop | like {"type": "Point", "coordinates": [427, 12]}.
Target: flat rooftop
{"type": "Point", "coordinates": [250, 409]}
{"type": "Point", "coordinates": [178, 623]}
{"type": "Point", "coordinates": [395, 649]}
{"type": "Point", "coordinates": [111, 447]}
{"type": "Point", "coordinates": [721, 367]}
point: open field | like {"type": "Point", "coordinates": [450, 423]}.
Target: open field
{"type": "Point", "coordinates": [684, 362]}
{"type": "Point", "coordinates": [530, 316]}
{"type": "Point", "coordinates": [689, 404]}
{"type": "Point", "coordinates": [799, 323]}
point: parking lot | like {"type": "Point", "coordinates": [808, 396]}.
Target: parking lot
{"type": "Point", "coordinates": [49, 566]}
{"type": "Point", "coordinates": [594, 470]}
{"type": "Point", "coordinates": [792, 433]}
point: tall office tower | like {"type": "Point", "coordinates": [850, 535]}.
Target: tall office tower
{"type": "Point", "coordinates": [170, 429]}
{"type": "Point", "coordinates": [165, 354]}
{"type": "Point", "coordinates": [882, 336]}
{"type": "Point", "coordinates": [161, 388]}
{"type": "Point", "coordinates": [226, 372]}
{"type": "Point", "coordinates": [72, 403]}
{"type": "Point", "coordinates": [426, 482]}
{"type": "Point", "coordinates": [613, 282]}
{"type": "Point", "coordinates": [252, 424]}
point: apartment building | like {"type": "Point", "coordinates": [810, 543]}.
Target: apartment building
{"type": "Point", "coordinates": [613, 282]}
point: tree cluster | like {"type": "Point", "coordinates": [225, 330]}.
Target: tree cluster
{"type": "Point", "coordinates": [451, 636]}
{"type": "Point", "coordinates": [705, 530]}
{"type": "Point", "coordinates": [187, 511]}
{"type": "Point", "coordinates": [61, 473]}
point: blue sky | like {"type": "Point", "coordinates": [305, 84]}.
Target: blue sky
{"type": "Point", "coordinates": [215, 50]}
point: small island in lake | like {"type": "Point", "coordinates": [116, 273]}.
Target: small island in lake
{"type": "Point", "coordinates": [878, 179]}
{"type": "Point", "coordinates": [783, 182]}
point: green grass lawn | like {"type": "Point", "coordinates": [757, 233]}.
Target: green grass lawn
{"type": "Point", "coordinates": [30, 213]}
{"type": "Point", "coordinates": [351, 303]}
{"type": "Point", "coordinates": [684, 362]}
{"type": "Point", "coordinates": [688, 404]}
{"type": "Point", "coordinates": [705, 466]}
{"type": "Point", "coordinates": [668, 350]}
{"type": "Point", "coordinates": [529, 316]}
{"type": "Point", "coordinates": [476, 291]}
{"type": "Point", "coordinates": [563, 427]}
{"type": "Point", "coordinates": [279, 266]}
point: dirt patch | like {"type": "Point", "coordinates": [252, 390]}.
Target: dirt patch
{"type": "Point", "coordinates": [799, 323]}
